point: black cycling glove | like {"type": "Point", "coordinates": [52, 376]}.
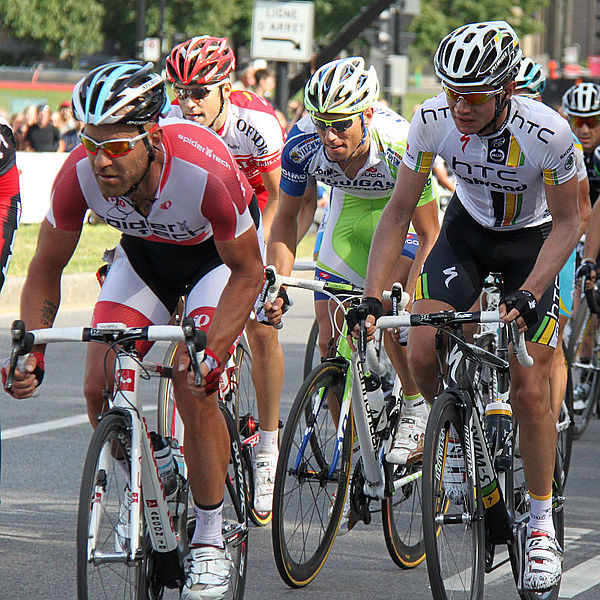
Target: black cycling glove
{"type": "Point", "coordinates": [585, 269]}
{"type": "Point", "coordinates": [524, 302]}
{"type": "Point", "coordinates": [368, 306]}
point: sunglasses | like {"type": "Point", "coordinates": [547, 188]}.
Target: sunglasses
{"type": "Point", "coordinates": [471, 98]}
{"type": "Point", "coordinates": [196, 93]}
{"type": "Point", "coordinates": [591, 122]}
{"type": "Point", "coordinates": [338, 125]}
{"type": "Point", "coordinates": [114, 148]}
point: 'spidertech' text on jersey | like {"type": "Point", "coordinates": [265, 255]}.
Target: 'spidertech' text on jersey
{"type": "Point", "coordinates": [500, 178]}
{"type": "Point", "coordinates": [202, 192]}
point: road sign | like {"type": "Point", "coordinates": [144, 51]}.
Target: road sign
{"type": "Point", "coordinates": [283, 30]}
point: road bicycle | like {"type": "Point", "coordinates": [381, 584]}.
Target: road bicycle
{"type": "Point", "coordinates": [584, 361]}
{"type": "Point", "coordinates": [462, 529]}
{"type": "Point", "coordinates": [485, 377]}
{"type": "Point", "coordinates": [334, 418]}
{"type": "Point", "coordinates": [131, 536]}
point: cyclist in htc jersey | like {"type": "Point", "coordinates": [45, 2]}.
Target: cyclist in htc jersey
{"type": "Point", "coordinates": [200, 70]}
{"type": "Point", "coordinates": [514, 212]}
{"type": "Point", "coordinates": [531, 81]}
{"type": "Point", "coordinates": [10, 198]}
{"type": "Point", "coordinates": [353, 144]}
{"type": "Point", "coordinates": [181, 203]}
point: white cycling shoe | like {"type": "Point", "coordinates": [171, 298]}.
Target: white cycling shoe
{"type": "Point", "coordinates": [208, 571]}
{"type": "Point", "coordinates": [264, 466]}
{"type": "Point", "coordinates": [543, 561]}
{"type": "Point", "coordinates": [407, 446]}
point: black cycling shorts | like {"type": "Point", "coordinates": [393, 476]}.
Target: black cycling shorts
{"type": "Point", "coordinates": [466, 252]}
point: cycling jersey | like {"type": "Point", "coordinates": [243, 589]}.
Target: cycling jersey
{"type": "Point", "coordinates": [201, 194]}
{"type": "Point", "coordinates": [593, 176]}
{"type": "Point", "coordinates": [356, 204]}
{"type": "Point", "coordinates": [498, 176]}
{"type": "Point", "coordinates": [10, 198]}
{"type": "Point", "coordinates": [254, 136]}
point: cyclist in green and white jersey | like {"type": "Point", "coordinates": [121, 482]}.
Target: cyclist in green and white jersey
{"type": "Point", "coordinates": [354, 144]}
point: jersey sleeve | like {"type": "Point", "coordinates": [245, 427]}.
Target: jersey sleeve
{"type": "Point", "coordinates": [559, 163]}
{"type": "Point", "coordinates": [297, 152]}
{"type": "Point", "coordinates": [67, 202]}
{"type": "Point", "coordinates": [420, 148]}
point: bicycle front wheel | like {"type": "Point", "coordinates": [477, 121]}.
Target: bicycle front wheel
{"type": "Point", "coordinates": [402, 517]}
{"type": "Point", "coordinates": [564, 424]}
{"type": "Point", "coordinates": [105, 570]}
{"type": "Point", "coordinates": [312, 478]}
{"type": "Point", "coordinates": [312, 354]}
{"type": "Point", "coordinates": [453, 523]}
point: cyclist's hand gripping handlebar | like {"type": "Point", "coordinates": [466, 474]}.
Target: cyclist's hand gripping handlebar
{"type": "Point", "coordinates": [195, 342]}
{"type": "Point", "coordinates": [21, 344]}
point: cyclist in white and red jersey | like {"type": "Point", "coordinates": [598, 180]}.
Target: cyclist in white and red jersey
{"type": "Point", "coordinates": [514, 212]}
{"type": "Point", "coordinates": [181, 203]}
{"type": "Point", "coordinates": [10, 198]}
{"type": "Point", "coordinates": [200, 70]}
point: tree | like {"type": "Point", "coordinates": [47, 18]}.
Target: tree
{"type": "Point", "coordinates": [60, 27]}
{"type": "Point", "coordinates": [443, 16]}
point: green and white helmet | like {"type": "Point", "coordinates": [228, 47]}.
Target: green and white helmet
{"type": "Point", "coordinates": [342, 86]}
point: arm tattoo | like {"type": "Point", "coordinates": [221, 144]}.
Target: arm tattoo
{"type": "Point", "coordinates": [49, 310]}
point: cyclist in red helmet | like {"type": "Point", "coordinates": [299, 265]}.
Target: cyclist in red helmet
{"type": "Point", "coordinates": [200, 71]}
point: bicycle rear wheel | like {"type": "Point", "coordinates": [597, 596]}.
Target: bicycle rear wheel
{"type": "Point", "coordinates": [584, 362]}
{"type": "Point", "coordinates": [104, 569]}
{"type": "Point", "coordinates": [454, 530]}
{"type": "Point", "coordinates": [518, 494]}
{"type": "Point", "coordinates": [246, 415]}
{"type": "Point", "coordinates": [312, 477]}
{"type": "Point", "coordinates": [402, 516]}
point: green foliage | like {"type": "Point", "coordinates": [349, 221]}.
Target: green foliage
{"type": "Point", "coordinates": [443, 16]}
{"type": "Point", "coordinates": [64, 28]}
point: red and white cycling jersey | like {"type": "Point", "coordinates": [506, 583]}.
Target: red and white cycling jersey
{"type": "Point", "coordinates": [202, 192]}
{"type": "Point", "coordinates": [253, 134]}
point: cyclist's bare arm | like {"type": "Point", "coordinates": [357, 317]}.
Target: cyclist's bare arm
{"type": "Point", "coordinates": [392, 227]}
{"type": "Point", "coordinates": [562, 204]}
{"type": "Point", "coordinates": [40, 296]}
{"type": "Point", "coordinates": [307, 211]}
{"type": "Point", "coordinates": [585, 206]}
{"type": "Point", "coordinates": [592, 234]}
{"type": "Point", "coordinates": [271, 182]}
{"type": "Point", "coordinates": [427, 225]}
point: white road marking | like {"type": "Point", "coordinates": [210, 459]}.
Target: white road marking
{"type": "Point", "coordinates": [17, 432]}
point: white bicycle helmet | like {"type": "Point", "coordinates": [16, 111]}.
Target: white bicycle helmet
{"type": "Point", "coordinates": [582, 100]}
{"type": "Point", "coordinates": [120, 92]}
{"type": "Point", "coordinates": [342, 86]}
{"type": "Point", "coordinates": [530, 77]}
{"type": "Point", "coordinates": [485, 53]}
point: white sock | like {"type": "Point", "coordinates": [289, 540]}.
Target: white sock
{"type": "Point", "coordinates": [267, 442]}
{"type": "Point", "coordinates": [208, 531]}
{"type": "Point", "coordinates": [540, 515]}
{"type": "Point", "coordinates": [412, 404]}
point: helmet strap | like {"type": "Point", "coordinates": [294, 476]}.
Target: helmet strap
{"type": "Point", "coordinates": [222, 99]}
{"type": "Point", "coordinates": [501, 102]}
{"type": "Point", "coordinates": [151, 157]}
{"type": "Point", "coordinates": [362, 139]}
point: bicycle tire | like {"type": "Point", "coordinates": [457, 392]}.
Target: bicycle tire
{"type": "Point", "coordinates": [310, 490]}
{"type": "Point", "coordinates": [102, 498]}
{"type": "Point", "coordinates": [454, 535]}
{"type": "Point", "coordinates": [564, 444]}
{"type": "Point", "coordinates": [246, 416]}
{"type": "Point", "coordinates": [581, 328]}
{"type": "Point", "coordinates": [312, 354]}
{"type": "Point", "coordinates": [235, 515]}
{"type": "Point", "coordinates": [519, 498]}
{"type": "Point", "coordinates": [402, 516]}
{"type": "Point", "coordinates": [166, 413]}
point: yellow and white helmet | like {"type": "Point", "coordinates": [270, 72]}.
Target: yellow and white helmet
{"type": "Point", "coordinates": [342, 86]}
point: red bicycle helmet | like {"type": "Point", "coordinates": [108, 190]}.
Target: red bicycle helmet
{"type": "Point", "coordinates": [203, 60]}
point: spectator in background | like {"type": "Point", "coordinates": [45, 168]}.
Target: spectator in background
{"type": "Point", "coordinates": [66, 121]}
{"type": "Point", "coordinates": [265, 84]}
{"type": "Point", "coordinates": [18, 123]}
{"type": "Point", "coordinates": [70, 138]}
{"type": "Point", "coordinates": [42, 136]}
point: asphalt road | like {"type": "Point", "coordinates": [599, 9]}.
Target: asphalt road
{"type": "Point", "coordinates": [44, 444]}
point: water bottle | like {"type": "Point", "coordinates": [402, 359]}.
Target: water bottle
{"type": "Point", "coordinates": [498, 426]}
{"type": "Point", "coordinates": [165, 461]}
{"type": "Point", "coordinates": [376, 401]}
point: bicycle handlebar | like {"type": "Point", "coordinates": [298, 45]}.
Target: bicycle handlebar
{"type": "Point", "coordinates": [446, 317]}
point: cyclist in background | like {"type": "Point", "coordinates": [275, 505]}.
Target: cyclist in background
{"type": "Point", "coordinates": [581, 107]}
{"type": "Point", "coordinates": [181, 203]}
{"type": "Point", "coordinates": [530, 82]}
{"type": "Point", "coordinates": [514, 212]}
{"type": "Point", "coordinates": [200, 71]}
{"type": "Point", "coordinates": [354, 144]}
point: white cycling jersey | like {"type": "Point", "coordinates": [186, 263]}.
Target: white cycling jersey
{"type": "Point", "coordinates": [254, 136]}
{"type": "Point", "coordinates": [500, 177]}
